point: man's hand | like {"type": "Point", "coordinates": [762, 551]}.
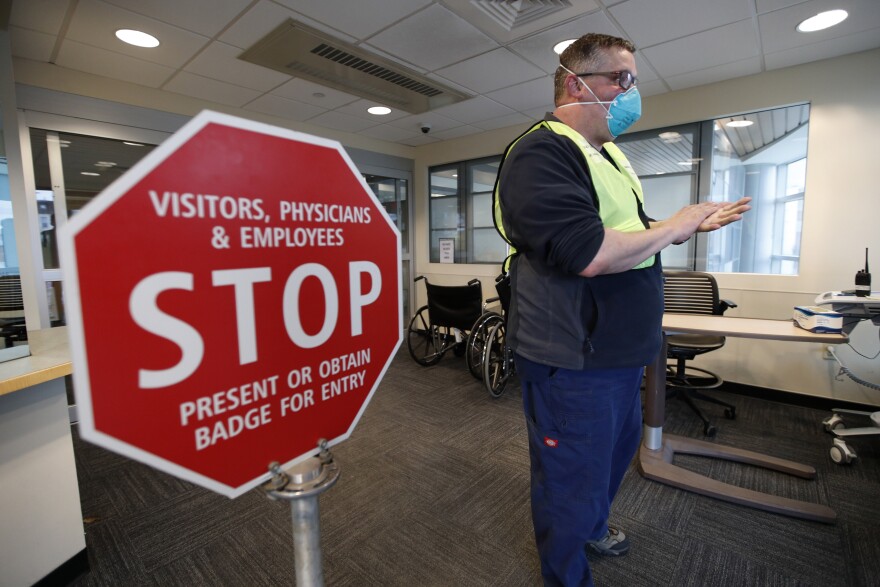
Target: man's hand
{"type": "Point", "coordinates": [723, 216]}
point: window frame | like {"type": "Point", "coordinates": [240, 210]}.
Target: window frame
{"type": "Point", "coordinates": [465, 239]}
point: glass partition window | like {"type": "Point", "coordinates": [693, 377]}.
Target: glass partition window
{"type": "Point", "coordinates": [461, 209]}
{"type": "Point", "coordinates": [667, 164]}
{"type": "Point", "coordinates": [762, 155]}
{"type": "Point", "coordinates": [69, 171]}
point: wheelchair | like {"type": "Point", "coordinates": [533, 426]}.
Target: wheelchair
{"type": "Point", "coordinates": [488, 356]}
{"type": "Point", "coordinates": [444, 322]}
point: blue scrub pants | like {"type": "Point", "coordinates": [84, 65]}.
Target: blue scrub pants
{"type": "Point", "coordinates": [584, 429]}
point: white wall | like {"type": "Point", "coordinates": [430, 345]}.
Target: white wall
{"type": "Point", "coordinates": [841, 214]}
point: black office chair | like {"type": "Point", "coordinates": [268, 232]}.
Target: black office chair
{"type": "Point", "coordinates": [693, 292]}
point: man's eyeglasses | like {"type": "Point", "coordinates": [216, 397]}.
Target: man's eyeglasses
{"type": "Point", "coordinates": [624, 79]}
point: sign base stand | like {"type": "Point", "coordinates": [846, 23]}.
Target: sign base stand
{"type": "Point", "coordinates": [301, 485]}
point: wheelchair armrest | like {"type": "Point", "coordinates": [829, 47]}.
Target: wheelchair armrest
{"type": "Point", "coordinates": [474, 281]}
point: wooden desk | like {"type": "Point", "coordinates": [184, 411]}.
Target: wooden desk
{"type": "Point", "coordinates": [657, 452]}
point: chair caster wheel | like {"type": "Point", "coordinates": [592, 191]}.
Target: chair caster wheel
{"type": "Point", "coordinates": [730, 413]}
{"type": "Point", "coordinates": [833, 423]}
{"type": "Point", "coordinates": [710, 430]}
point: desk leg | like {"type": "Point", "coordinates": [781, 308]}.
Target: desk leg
{"type": "Point", "coordinates": [655, 400]}
{"type": "Point", "coordinates": [657, 453]}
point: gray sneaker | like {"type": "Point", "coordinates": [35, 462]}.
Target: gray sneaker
{"type": "Point", "coordinates": [615, 543]}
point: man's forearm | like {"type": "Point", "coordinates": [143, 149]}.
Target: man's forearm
{"type": "Point", "coordinates": [621, 251]}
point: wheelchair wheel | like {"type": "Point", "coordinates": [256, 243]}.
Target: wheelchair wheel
{"type": "Point", "coordinates": [497, 366]}
{"type": "Point", "coordinates": [476, 342]}
{"type": "Point", "coordinates": [424, 340]}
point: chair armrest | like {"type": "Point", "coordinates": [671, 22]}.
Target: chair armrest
{"type": "Point", "coordinates": [724, 305]}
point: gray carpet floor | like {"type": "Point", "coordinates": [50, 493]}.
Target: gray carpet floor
{"type": "Point", "coordinates": [434, 491]}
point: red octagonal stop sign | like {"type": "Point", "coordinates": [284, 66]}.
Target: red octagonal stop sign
{"type": "Point", "coordinates": [232, 299]}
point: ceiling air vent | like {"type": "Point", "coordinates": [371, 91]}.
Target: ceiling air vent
{"type": "Point", "coordinates": [302, 51]}
{"type": "Point", "coordinates": [511, 14]}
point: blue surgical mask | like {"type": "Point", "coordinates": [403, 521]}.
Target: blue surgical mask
{"type": "Point", "coordinates": [622, 112]}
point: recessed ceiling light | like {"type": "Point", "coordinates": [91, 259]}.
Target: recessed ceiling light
{"type": "Point", "coordinates": [822, 21]}
{"type": "Point", "coordinates": [561, 46]}
{"type": "Point", "coordinates": [130, 144]}
{"type": "Point", "coordinates": [137, 38]}
{"type": "Point", "coordinates": [89, 173]}
{"type": "Point", "coordinates": [379, 110]}
{"type": "Point", "coordinates": [739, 123]}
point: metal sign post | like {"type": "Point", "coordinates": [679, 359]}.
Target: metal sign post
{"type": "Point", "coordinates": [301, 485]}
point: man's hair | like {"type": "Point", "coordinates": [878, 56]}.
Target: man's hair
{"type": "Point", "coordinates": [585, 54]}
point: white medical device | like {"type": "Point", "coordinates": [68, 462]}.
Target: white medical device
{"type": "Point", "coordinates": [853, 309]}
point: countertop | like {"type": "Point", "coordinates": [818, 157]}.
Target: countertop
{"type": "Point", "coordinates": [49, 359]}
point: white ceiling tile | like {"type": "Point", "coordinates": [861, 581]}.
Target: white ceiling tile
{"type": "Point", "coordinates": [284, 108]}
{"type": "Point", "coordinates": [98, 61]}
{"type": "Point", "coordinates": [491, 71]}
{"type": "Point", "coordinates": [212, 90]}
{"type": "Point", "coordinates": [31, 44]}
{"type": "Point", "coordinates": [434, 38]}
{"type": "Point", "coordinates": [824, 50]}
{"type": "Point", "coordinates": [95, 23]}
{"type": "Point", "coordinates": [255, 24]}
{"type": "Point", "coordinates": [220, 61]}
{"type": "Point", "coordinates": [419, 140]}
{"type": "Point", "coordinates": [534, 94]}
{"type": "Point", "coordinates": [726, 44]}
{"type": "Point", "coordinates": [538, 48]}
{"type": "Point", "coordinates": [343, 122]}
{"type": "Point", "coordinates": [311, 93]}
{"type": "Point", "coordinates": [205, 17]}
{"type": "Point", "coordinates": [457, 132]}
{"type": "Point", "coordinates": [652, 88]}
{"type": "Point", "coordinates": [715, 74]}
{"type": "Point", "coordinates": [644, 70]}
{"type": "Point", "coordinates": [475, 109]}
{"type": "Point", "coordinates": [45, 16]}
{"type": "Point", "coordinates": [681, 43]}
{"type": "Point", "coordinates": [778, 28]}
{"type": "Point", "coordinates": [468, 10]}
{"type": "Point", "coordinates": [770, 5]}
{"type": "Point", "coordinates": [386, 132]}
{"type": "Point", "coordinates": [414, 122]}
{"type": "Point", "coordinates": [359, 109]}
{"type": "Point", "coordinates": [360, 21]}
{"type": "Point", "coordinates": [649, 22]}
{"type": "Point", "coordinates": [509, 120]}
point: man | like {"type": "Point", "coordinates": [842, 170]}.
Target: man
{"type": "Point", "coordinates": [587, 301]}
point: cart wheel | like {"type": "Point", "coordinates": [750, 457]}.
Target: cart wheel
{"type": "Point", "coordinates": [423, 339]}
{"type": "Point", "coordinates": [833, 423]}
{"type": "Point", "coordinates": [710, 430]}
{"type": "Point", "coordinates": [841, 453]}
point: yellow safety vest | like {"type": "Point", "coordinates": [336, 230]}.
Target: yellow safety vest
{"type": "Point", "coordinates": [614, 188]}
